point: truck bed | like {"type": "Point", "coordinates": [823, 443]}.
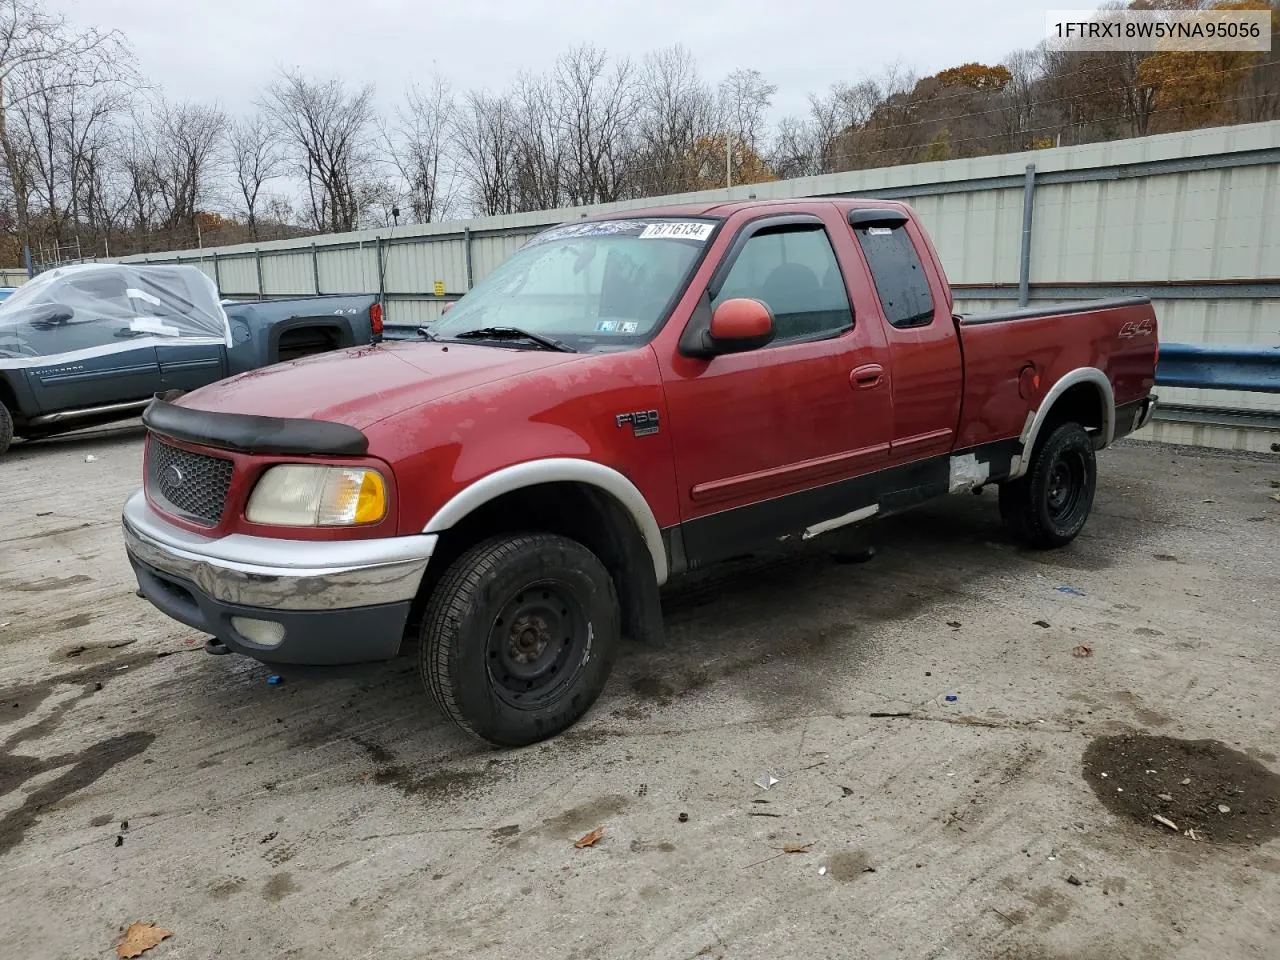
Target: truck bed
{"type": "Point", "coordinates": [1114, 336]}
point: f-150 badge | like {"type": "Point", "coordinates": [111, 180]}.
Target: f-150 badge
{"type": "Point", "coordinates": [643, 422]}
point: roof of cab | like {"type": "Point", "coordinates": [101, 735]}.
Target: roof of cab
{"type": "Point", "coordinates": [724, 208]}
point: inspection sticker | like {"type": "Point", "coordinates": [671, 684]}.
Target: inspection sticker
{"type": "Point", "coordinates": [680, 230]}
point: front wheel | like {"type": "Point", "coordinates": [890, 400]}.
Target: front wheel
{"type": "Point", "coordinates": [6, 428]}
{"type": "Point", "coordinates": [1048, 506]}
{"type": "Point", "coordinates": [519, 637]}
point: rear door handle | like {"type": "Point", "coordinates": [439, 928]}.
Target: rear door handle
{"type": "Point", "coordinates": [866, 376]}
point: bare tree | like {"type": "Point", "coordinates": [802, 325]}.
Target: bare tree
{"type": "Point", "coordinates": [418, 149]}
{"type": "Point", "coordinates": [141, 201]}
{"type": "Point", "coordinates": [279, 214]}
{"type": "Point", "coordinates": [538, 146]}
{"type": "Point", "coordinates": [185, 158]}
{"type": "Point", "coordinates": [745, 98]}
{"type": "Point", "coordinates": [1018, 99]}
{"type": "Point", "coordinates": [69, 115]}
{"type": "Point", "coordinates": [482, 134]}
{"type": "Point", "coordinates": [255, 159]}
{"type": "Point", "coordinates": [677, 110]}
{"type": "Point", "coordinates": [597, 110]}
{"type": "Point", "coordinates": [836, 129]}
{"type": "Point", "coordinates": [40, 55]}
{"type": "Point", "coordinates": [328, 130]}
{"type": "Point", "coordinates": [798, 148]}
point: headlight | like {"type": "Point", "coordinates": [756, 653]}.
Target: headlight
{"type": "Point", "coordinates": [299, 495]}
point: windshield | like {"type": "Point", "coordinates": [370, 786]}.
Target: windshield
{"type": "Point", "coordinates": [599, 285]}
{"type": "Point", "coordinates": [90, 309]}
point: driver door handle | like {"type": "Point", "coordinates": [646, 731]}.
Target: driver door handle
{"type": "Point", "coordinates": [866, 376]}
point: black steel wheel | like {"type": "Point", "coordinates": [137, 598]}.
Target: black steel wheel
{"type": "Point", "coordinates": [1049, 505]}
{"type": "Point", "coordinates": [537, 644]}
{"type": "Point", "coordinates": [519, 637]}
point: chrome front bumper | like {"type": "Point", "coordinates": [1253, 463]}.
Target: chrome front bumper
{"type": "Point", "coordinates": [287, 575]}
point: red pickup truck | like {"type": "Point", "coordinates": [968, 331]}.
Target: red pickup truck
{"type": "Point", "coordinates": [625, 399]}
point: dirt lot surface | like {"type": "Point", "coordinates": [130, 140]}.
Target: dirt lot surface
{"type": "Point", "coordinates": [339, 816]}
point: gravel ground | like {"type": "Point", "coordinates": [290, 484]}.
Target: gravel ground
{"type": "Point", "coordinates": [337, 815]}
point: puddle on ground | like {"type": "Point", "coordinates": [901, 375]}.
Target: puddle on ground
{"type": "Point", "coordinates": [1224, 795]}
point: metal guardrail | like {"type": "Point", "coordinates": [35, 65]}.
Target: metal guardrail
{"type": "Point", "coordinates": [1251, 369]}
{"type": "Point", "coordinates": [1245, 369]}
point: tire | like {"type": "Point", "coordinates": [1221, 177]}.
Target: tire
{"type": "Point", "coordinates": [1047, 507]}
{"type": "Point", "coordinates": [6, 429]}
{"type": "Point", "coordinates": [512, 689]}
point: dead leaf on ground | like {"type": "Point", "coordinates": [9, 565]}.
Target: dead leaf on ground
{"type": "Point", "coordinates": [591, 839]}
{"type": "Point", "coordinates": [139, 938]}
{"type": "Point", "coordinates": [1276, 497]}
{"type": "Point", "coordinates": [797, 848]}
{"type": "Point", "coordinates": [1081, 650]}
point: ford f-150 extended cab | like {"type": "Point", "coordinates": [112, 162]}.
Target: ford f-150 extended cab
{"type": "Point", "coordinates": [624, 399]}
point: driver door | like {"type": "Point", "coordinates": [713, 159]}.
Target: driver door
{"type": "Point", "coordinates": [90, 364]}
{"type": "Point", "coordinates": [772, 441]}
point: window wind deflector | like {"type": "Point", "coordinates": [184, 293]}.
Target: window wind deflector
{"type": "Point", "coordinates": [876, 217]}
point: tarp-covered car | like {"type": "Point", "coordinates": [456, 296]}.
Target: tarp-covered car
{"type": "Point", "coordinates": [92, 343]}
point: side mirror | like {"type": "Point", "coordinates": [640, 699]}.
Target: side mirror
{"type": "Point", "coordinates": [740, 324]}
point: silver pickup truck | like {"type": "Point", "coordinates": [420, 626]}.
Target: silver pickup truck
{"type": "Point", "coordinates": [93, 343]}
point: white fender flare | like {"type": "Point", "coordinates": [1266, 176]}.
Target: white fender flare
{"type": "Point", "coordinates": [558, 470]}
{"type": "Point", "coordinates": [1037, 418]}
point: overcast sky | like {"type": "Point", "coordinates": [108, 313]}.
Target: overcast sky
{"type": "Point", "coordinates": [228, 50]}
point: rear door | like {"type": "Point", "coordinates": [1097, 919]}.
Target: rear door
{"type": "Point", "coordinates": [764, 441]}
{"type": "Point", "coordinates": [924, 349]}
{"type": "Point", "coordinates": [186, 366]}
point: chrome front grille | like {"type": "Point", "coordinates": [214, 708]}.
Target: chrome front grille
{"type": "Point", "coordinates": [190, 485]}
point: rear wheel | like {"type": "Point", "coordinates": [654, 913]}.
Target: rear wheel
{"type": "Point", "coordinates": [6, 428]}
{"type": "Point", "coordinates": [1048, 506]}
{"type": "Point", "coordinates": [519, 637]}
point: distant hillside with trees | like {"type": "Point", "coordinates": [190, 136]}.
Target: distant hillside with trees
{"type": "Point", "coordinates": [97, 162]}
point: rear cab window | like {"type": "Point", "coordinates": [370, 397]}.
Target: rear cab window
{"type": "Point", "coordinates": [900, 279]}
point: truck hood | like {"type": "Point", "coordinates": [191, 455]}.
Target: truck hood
{"type": "Point", "coordinates": [361, 385]}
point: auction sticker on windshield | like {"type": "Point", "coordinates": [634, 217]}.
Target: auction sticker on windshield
{"type": "Point", "coordinates": [679, 230]}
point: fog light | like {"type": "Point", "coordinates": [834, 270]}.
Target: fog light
{"type": "Point", "coordinates": [265, 633]}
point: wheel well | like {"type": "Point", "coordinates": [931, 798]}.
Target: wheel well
{"type": "Point", "coordinates": [303, 341]}
{"type": "Point", "coordinates": [1082, 404]}
{"type": "Point", "coordinates": [578, 511]}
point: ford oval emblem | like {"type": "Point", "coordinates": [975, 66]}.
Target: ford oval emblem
{"type": "Point", "coordinates": [171, 478]}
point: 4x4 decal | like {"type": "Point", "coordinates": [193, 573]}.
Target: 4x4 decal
{"type": "Point", "coordinates": [1142, 328]}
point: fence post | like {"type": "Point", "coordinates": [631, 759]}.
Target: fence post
{"type": "Point", "coordinates": [377, 249]}
{"type": "Point", "coordinates": [1024, 260]}
{"type": "Point", "coordinates": [217, 275]}
{"type": "Point", "coordinates": [315, 268]}
{"type": "Point", "coordinates": [257, 263]}
{"type": "Point", "coordinates": [466, 240]}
